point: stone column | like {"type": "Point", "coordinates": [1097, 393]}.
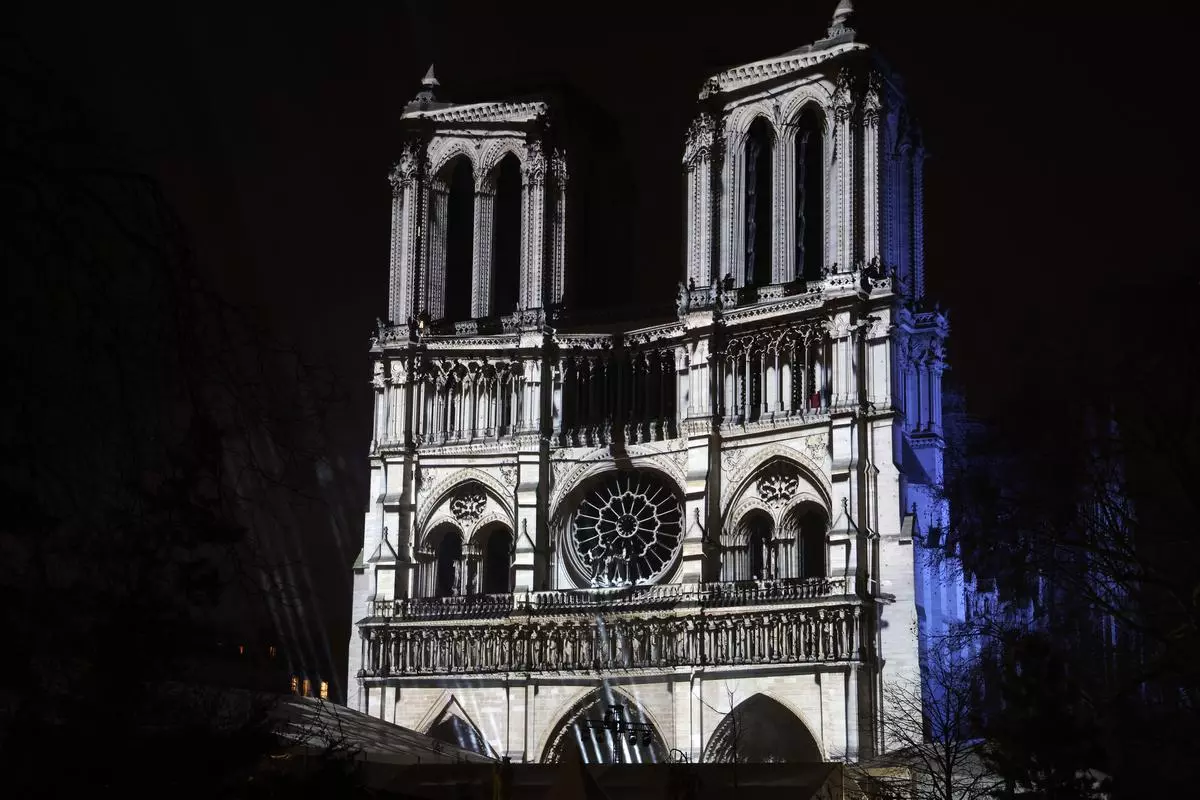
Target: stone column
{"type": "Point", "coordinates": [397, 426]}
{"type": "Point", "coordinates": [379, 384]}
{"type": "Point", "coordinates": [733, 220]}
{"type": "Point", "coordinates": [533, 226]}
{"type": "Point", "coordinates": [918, 222]}
{"type": "Point", "coordinates": [483, 245]}
{"type": "Point", "coordinates": [698, 160]}
{"type": "Point", "coordinates": [557, 260]}
{"type": "Point", "coordinates": [408, 203]}
{"type": "Point", "coordinates": [843, 114]}
{"type": "Point", "coordinates": [783, 209]}
{"type": "Point", "coordinates": [871, 183]}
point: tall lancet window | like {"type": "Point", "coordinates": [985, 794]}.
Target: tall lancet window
{"type": "Point", "coordinates": [506, 257]}
{"type": "Point", "coordinates": [810, 194]}
{"type": "Point", "coordinates": [760, 146]}
{"type": "Point", "coordinates": [460, 234]}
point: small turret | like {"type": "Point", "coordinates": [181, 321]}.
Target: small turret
{"type": "Point", "coordinates": [841, 21]}
{"type": "Point", "coordinates": [425, 99]}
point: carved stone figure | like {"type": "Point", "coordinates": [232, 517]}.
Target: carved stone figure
{"type": "Point", "coordinates": [682, 301]}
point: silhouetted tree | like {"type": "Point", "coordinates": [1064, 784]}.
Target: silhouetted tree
{"type": "Point", "coordinates": [931, 727]}
{"type": "Point", "coordinates": [1075, 498]}
{"type": "Point", "coordinates": [142, 437]}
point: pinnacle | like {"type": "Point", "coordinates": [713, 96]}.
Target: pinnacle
{"type": "Point", "coordinates": [840, 27]}
{"type": "Point", "coordinates": [429, 81]}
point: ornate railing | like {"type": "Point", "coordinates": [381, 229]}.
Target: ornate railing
{"type": "Point", "coordinates": [596, 601]}
{"type": "Point", "coordinates": [797, 635]}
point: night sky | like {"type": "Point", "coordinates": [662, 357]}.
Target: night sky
{"type": "Point", "coordinates": [1060, 168]}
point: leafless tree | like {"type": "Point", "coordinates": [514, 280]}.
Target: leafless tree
{"type": "Point", "coordinates": [1084, 525]}
{"type": "Point", "coordinates": [936, 755]}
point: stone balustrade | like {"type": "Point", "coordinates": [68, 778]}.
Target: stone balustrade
{"type": "Point", "coordinates": [593, 601]}
{"type": "Point", "coordinates": [813, 634]}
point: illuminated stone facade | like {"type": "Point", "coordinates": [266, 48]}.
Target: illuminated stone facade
{"type": "Point", "coordinates": [720, 511]}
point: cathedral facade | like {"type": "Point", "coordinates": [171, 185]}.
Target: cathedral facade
{"type": "Point", "coordinates": [687, 538]}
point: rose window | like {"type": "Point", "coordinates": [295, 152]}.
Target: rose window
{"type": "Point", "coordinates": [628, 530]}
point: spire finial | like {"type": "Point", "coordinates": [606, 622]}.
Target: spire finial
{"type": "Point", "coordinates": [429, 81]}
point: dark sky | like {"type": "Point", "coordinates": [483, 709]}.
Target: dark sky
{"type": "Point", "coordinates": [1059, 151]}
{"type": "Point", "coordinates": [1062, 162]}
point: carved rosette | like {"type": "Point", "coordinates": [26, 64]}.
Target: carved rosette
{"type": "Point", "coordinates": [778, 485]}
{"type": "Point", "coordinates": [468, 505]}
{"type": "Point", "coordinates": [508, 473]}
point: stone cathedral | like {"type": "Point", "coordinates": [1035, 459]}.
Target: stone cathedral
{"type": "Point", "coordinates": [711, 526]}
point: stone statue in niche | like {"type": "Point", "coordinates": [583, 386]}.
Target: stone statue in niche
{"type": "Point", "coordinates": [456, 579]}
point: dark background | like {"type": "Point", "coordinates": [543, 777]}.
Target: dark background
{"type": "Point", "coordinates": [1060, 184]}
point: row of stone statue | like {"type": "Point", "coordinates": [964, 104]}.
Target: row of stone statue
{"type": "Point", "coordinates": [796, 636]}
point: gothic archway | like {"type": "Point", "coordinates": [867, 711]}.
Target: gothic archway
{"type": "Point", "coordinates": [496, 559]}
{"type": "Point", "coordinates": [452, 223]}
{"type": "Point", "coordinates": [760, 730]}
{"type": "Point", "coordinates": [454, 731]}
{"type": "Point", "coordinates": [807, 525]}
{"type": "Point", "coordinates": [447, 560]}
{"type": "Point", "coordinates": [808, 216]}
{"type": "Point", "coordinates": [506, 241]}
{"type": "Point", "coordinates": [749, 554]}
{"type": "Point", "coordinates": [759, 203]}
{"type": "Point", "coordinates": [644, 745]}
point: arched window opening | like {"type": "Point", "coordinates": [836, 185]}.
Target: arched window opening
{"type": "Point", "coordinates": [496, 561]}
{"type": "Point", "coordinates": [760, 147]}
{"type": "Point", "coordinates": [810, 194]}
{"type": "Point", "coordinates": [760, 550]}
{"type": "Point", "coordinates": [752, 556]}
{"type": "Point", "coordinates": [760, 730]}
{"type": "Point", "coordinates": [812, 524]}
{"type": "Point", "coordinates": [460, 240]}
{"type": "Point", "coordinates": [506, 253]}
{"type": "Point", "coordinates": [448, 577]}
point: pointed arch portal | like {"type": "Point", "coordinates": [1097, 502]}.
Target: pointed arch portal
{"type": "Point", "coordinates": [603, 746]}
{"type": "Point", "coordinates": [761, 730]}
{"type": "Point", "coordinates": [455, 728]}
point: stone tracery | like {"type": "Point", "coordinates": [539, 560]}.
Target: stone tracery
{"type": "Point", "coordinates": [627, 530]}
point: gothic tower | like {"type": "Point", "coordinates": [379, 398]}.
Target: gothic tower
{"type": "Point", "coordinates": [716, 522]}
